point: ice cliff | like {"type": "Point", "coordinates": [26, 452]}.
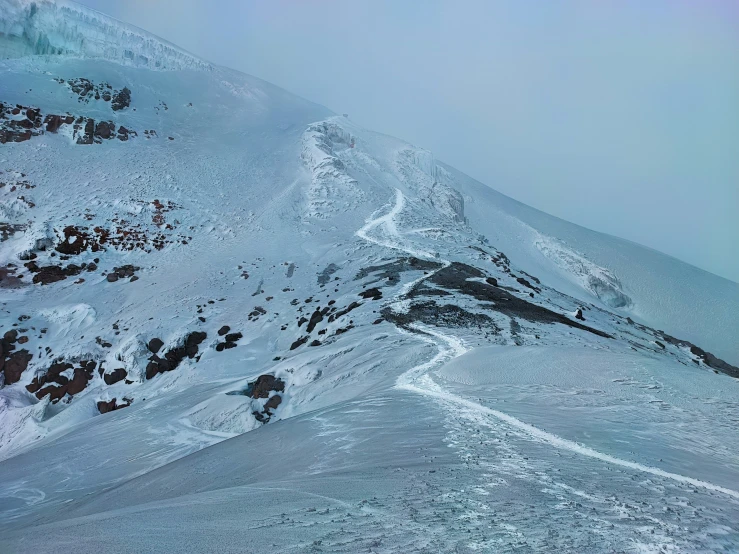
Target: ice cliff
{"type": "Point", "coordinates": [46, 27]}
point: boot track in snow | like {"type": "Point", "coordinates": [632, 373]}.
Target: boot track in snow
{"type": "Point", "coordinates": [419, 381]}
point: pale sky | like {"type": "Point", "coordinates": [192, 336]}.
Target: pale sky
{"type": "Point", "coordinates": [620, 115]}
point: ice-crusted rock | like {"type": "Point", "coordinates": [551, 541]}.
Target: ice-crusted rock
{"type": "Point", "coordinates": [59, 27]}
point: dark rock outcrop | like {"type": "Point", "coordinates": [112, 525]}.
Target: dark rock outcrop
{"type": "Point", "coordinates": [266, 384]}
{"type": "Point", "coordinates": [121, 100]}
{"type": "Point", "coordinates": [51, 274]}
{"type": "Point", "coordinates": [108, 406]}
{"type": "Point", "coordinates": [155, 345]}
{"type": "Point", "coordinates": [262, 388]}
{"type": "Point", "coordinates": [172, 359]}
{"type": "Point", "coordinates": [56, 386]}
{"type": "Point", "coordinates": [299, 342]}
{"type": "Point", "coordinates": [315, 319]}
{"type": "Point", "coordinates": [115, 376]}
{"type": "Point", "coordinates": [373, 293]}
{"type": "Point", "coordinates": [15, 364]}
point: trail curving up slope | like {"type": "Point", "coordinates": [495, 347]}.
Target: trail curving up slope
{"type": "Point", "coordinates": [418, 378]}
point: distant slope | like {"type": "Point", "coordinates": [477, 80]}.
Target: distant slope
{"type": "Point", "coordinates": [661, 291]}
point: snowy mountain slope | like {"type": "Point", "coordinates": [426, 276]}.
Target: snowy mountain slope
{"type": "Point", "coordinates": [651, 287]}
{"type": "Point", "coordinates": [401, 358]}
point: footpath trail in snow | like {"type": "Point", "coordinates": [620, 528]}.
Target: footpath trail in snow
{"type": "Point", "coordinates": [418, 380]}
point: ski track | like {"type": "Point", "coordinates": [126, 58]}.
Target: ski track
{"type": "Point", "coordinates": [418, 380]}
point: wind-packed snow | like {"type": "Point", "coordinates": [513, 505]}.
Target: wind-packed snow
{"type": "Point", "coordinates": [457, 372]}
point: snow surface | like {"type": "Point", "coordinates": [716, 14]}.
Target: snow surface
{"type": "Point", "coordinates": [442, 436]}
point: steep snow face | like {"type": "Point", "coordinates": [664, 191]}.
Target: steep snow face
{"type": "Point", "coordinates": [58, 27]}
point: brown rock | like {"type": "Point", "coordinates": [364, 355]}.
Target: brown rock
{"type": "Point", "coordinates": [265, 384]}
{"type": "Point", "coordinates": [115, 376]}
{"type": "Point", "coordinates": [272, 403]}
{"type": "Point", "coordinates": [15, 365]}
{"type": "Point", "coordinates": [121, 100]}
{"type": "Point", "coordinates": [53, 122]}
{"type": "Point", "coordinates": [105, 130]}
{"type": "Point", "coordinates": [155, 345]}
{"type": "Point", "coordinates": [112, 405]}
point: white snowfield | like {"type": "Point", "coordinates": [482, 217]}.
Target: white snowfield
{"type": "Point", "coordinates": [438, 391]}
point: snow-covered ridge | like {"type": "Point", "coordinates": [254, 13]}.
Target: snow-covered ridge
{"type": "Point", "coordinates": [330, 180]}
{"type": "Point", "coordinates": [62, 27]}
{"type": "Point", "coordinates": [433, 184]}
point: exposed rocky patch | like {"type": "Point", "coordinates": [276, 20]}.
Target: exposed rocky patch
{"type": "Point", "coordinates": [115, 376]}
{"type": "Point", "coordinates": [263, 387]}
{"type": "Point", "coordinates": [391, 271]}
{"type": "Point", "coordinates": [371, 294]}
{"type": "Point", "coordinates": [21, 123]}
{"type": "Point", "coordinates": [13, 362]}
{"type": "Point", "coordinates": [446, 315]}
{"type": "Point", "coordinates": [123, 272]}
{"type": "Point", "coordinates": [106, 406]}
{"type": "Point", "coordinates": [121, 100]}
{"type": "Point", "coordinates": [7, 230]}
{"type": "Point", "coordinates": [256, 313]}
{"type": "Point", "coordinates": [61, 379]}
{"type": "Point", "coordinates": [155, 345]}
{"type": "Point", "coordinates": [229, 339]}
{"type": "Point", "coordinates": [12, 181]}
{"type": "Point", "coordinates": [343, 311]}
{"type": "Point", "coordinates": [10, 278]}
{"type": "Point", "coordinates": [709, 359]}
{"type": "Point", "coordinates": [86, 91]}
{"type": "Point", "coordinates": [45, 275]}
{"type": "Point", "coordinates": [460, 277]}
{"type": "Point", "coordinates": [87, 131]}
{"type": "Point", "coordinates": [299, 342]}
{"type": "Point", "coordinates": [172, 358]}
{"type": "Point", "coordinates": [314, 320]}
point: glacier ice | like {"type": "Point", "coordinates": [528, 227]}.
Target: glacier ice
{"type": "Point", "coordinates": [44, 27]}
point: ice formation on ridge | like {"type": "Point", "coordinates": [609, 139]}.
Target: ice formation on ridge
{"type": "Point", "coordinates": [62, 27]}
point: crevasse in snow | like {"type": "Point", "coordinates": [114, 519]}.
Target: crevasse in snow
{"type": "Point", "coordinates": [43, 27]}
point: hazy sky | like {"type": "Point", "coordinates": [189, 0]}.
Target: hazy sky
{"type": "Point", "coordinates": [621, 115]}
